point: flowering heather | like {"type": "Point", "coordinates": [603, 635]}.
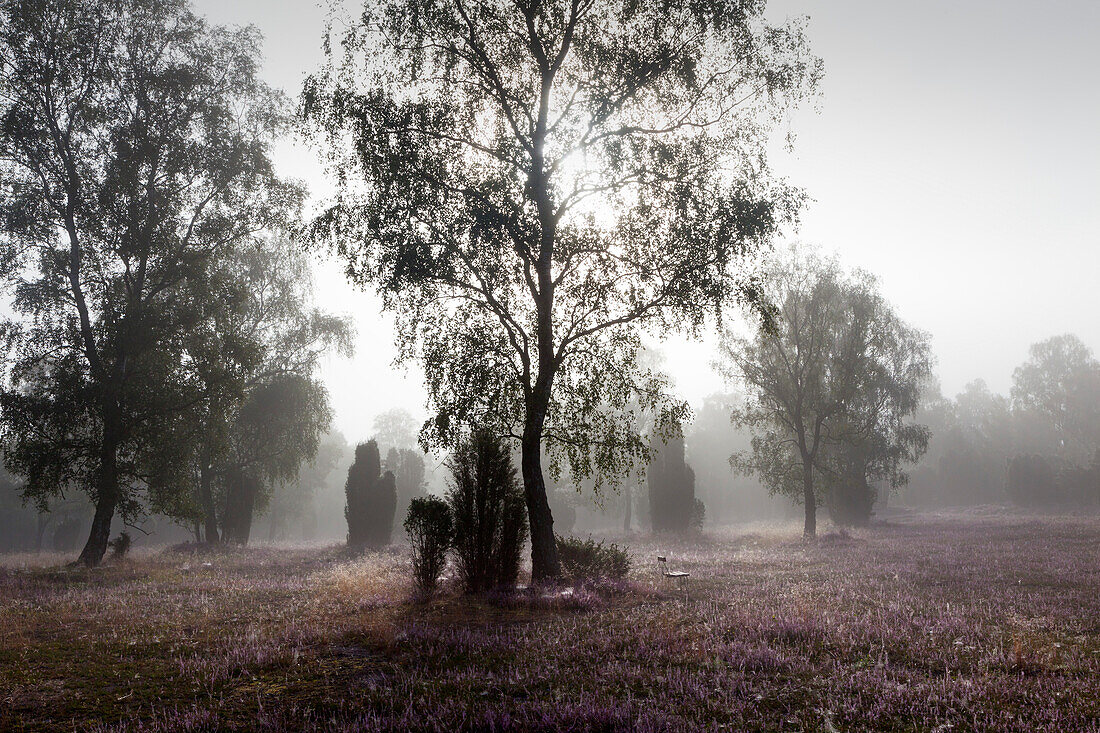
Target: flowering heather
{"type": "Point", "coordinates": [936, 623]}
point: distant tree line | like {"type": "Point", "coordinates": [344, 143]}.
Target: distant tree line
{"type": "Point", "coordinates": [1037, 447]}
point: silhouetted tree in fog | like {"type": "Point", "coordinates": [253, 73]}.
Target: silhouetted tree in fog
{"type": "Point", "coordinates": [876, 435]}
{"type": "Point", "coordinates": [530, 185]}
{"type": "Point", "coordinates": [973, 437]}
{"type": "Point", "coordinates": [710, 441]}
{"type": "Point", "coordinates": [278, 425]}
{"type": "Point", "coordinates": [396, 428]}
{"type": "Point", "coordinates": [407, 467]}
{"type": "Point", "coordinates": [1061, 381]}
{"type": "Point", "coordinates": [1038, 450]}
{"type": "Point", "coordinates": [256, 336]}
{"type": "Point", "coordinates": [316, 480]}
{"type": "Point", "coordinates": [830, 380]}
{"type": "Point", "coordinates": [134, 151]}
{"type": "Point", "coordinates": [672, 502]}
{"type": "Point", "coordinates": [371, 499]}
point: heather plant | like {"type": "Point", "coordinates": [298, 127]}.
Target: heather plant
{"type": "Point", "coordinates": [853, 634]}
{"type": "Point", "coordinates": [371, 499]}
{"type": "Point", "coordinates": [430, 526]}
{"type": "Point", "coordinates": [588, 559]}
{"type": "Point", "coordinates": [672, 502]}
{"type": "Point", "coordinates": [489, 513]}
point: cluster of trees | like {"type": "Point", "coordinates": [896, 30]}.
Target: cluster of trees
{"type": "Point", "coordinates": [530, 187]}
{"type": "Point", "coordinates": [379, 492]}
{"type": "Point", "coordinates": [162, 351]}
{"type": "Point", "coordinates": [729, 496]}
{"type": "Point", "coordinates": [1038, 446]}
{"type": "Point", "coordinates": [372, 499]}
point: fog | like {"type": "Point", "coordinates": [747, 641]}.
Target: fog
{"type": "Point", "coordinates": [950, 153]}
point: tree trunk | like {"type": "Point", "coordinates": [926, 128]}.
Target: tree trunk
{"type": "Point", "coordinates": [544, 549]}
{"type": "Point", "coordinates": [240, 500]}
{"type": "Point", "coordinates": [629, 493]}
{"type": "Point", "coordinates": [809, 498]}
{"type": "Point", "coordinates": [106, 497]}
{"type": "Point", "coordinates": [206, 496]}
{"type": "Point", "coordinates": [273, 519]}
{"type": "Point", "coordinates": [43, 522]}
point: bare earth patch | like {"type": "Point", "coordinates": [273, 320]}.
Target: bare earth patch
{"type": "Point", "coordinates": [936, 623]}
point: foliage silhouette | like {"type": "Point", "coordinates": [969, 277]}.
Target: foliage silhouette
{"type": "Point", "coordinates": [430, 529]}
{"type": "Point", "coordinates": [490, 520]}
{"type": "Point", "coordinates": [832, 385]}
{"type": "Point", "coordinates": [371, 500]}
{"type": "Point", "coordinates": [135, 150]}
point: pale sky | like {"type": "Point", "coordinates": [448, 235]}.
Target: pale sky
{"type": "Point", "coordinates": [955, 153]}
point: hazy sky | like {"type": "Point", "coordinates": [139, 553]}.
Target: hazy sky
{"type": "Point", "coordinates": [955, 153]}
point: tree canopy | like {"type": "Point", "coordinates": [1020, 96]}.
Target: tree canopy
{"type": "Point", "coordinates": [831, 382]}
{"type": "Point", "coordinates": [1061, 381]}
{"type": "Point", "coordinates": [259, 409]}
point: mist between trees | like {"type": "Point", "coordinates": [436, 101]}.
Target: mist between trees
{"type": "Point", "coordinates": [529, 212]}
{"type": "Point", "coordinates": [1034, 448]}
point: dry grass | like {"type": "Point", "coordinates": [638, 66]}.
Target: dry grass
{"type": "Point", "coordinates": [936, 623]}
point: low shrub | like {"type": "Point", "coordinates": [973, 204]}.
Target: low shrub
{"type": "Point", "coordinates": [588, 559]}
{"type": "Point", "coordinates": [120, 545]}
{"type": "Point", "coordinates": [698, 514]}
{"type": "Point", "coordinates": [430, 526]}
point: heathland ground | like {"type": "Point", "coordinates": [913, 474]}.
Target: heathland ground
{"type": "Point", "coordinates": [984, 621]}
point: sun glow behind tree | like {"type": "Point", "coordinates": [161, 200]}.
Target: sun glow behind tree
{"type": "Point", "coordinates": [531, 187]}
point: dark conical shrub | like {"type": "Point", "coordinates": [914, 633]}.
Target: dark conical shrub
{"type": "Point", "coordinates": [672, 503]}
{"type": "Point", "coordinates": [489, 512]}
{"type": "Point", "coordinates": [408, 468]}
{"type": "Point", "coordinates": [430, 527]}
{"type": "Point", "coordinates": [371, 499]}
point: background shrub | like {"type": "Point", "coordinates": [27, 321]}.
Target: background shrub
{"type": "Point", "coordinates": [489, 513]}
{"type": "Point", "coordinates": [671, 487]}
{"type": "Point", "coordinates": [372, 499]}
{"type": "Point", "coordinates": [1051, 481]}
{"type": "Point", "coordinates": [588, 559]}
{"type": "Point", "coordinates": [407, 466]}
{"type": "Point", "coordinates": [430, 526]}
{"type": "Point", "coordinates": [120, 545]}
{"type": "Point", "coordinates": [698, 514]}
